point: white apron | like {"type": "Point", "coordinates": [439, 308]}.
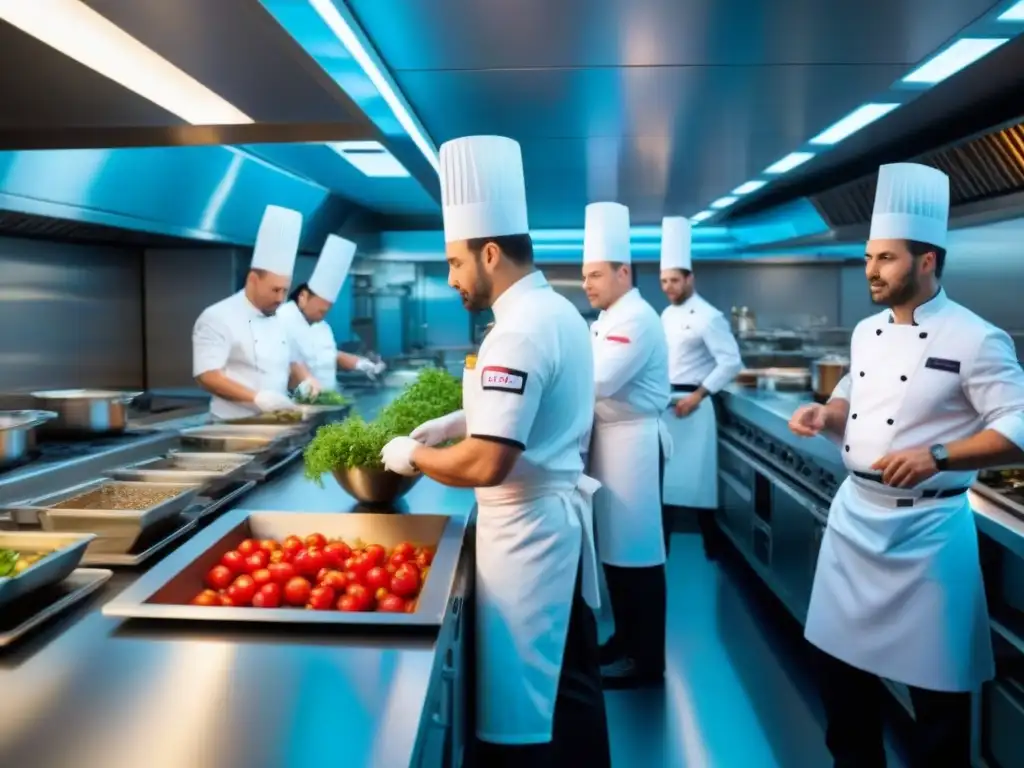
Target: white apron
{"type": "Point", "coordinates": [324, 355]}
{"type": "Point", "coordinates": [259, 360]}
{"type": "Point", "coordinates": [898, 590]}
{"type": "Point", "coordinates": [625, 459]}
{"type": "Point", "coordinates": [691, 475]}
{"type": "Point", "coordinates": [528, 552]}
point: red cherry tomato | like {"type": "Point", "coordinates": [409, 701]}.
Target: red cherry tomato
{"type": "Point", "coordinates": [219, 577]}
{"type": "Point", "coordinates": [280, 556]}
{"type": "Point", "coordinates": [234, 560]}
{"type": "Point", "coordinates": [337, 553]}
{"type": "Point", "coordinates": [296, 591]}
{"type": "Point", "coordinates": [360, 565]}
{"type": "Point", "coordinates": [351, 577]}
{"type": "Point", "coordinates": [292, 545]}
{"type": "Point", "coordinates": [267, 596]}
{"type": "Point", "coordinates": [206, 597]}
{"type": "Point", "coordinates": [269, 546]}
{"type": "Point", "coordinates": [316, 541]}
{"type": "Point", "coordinates": [257, 560]}
{"type": "Point", "coordinates": [405, 548]}
{"type": "Point", "coordinates": [405, 583]}
{"type": "Point", "coordinates": [349, 604]}
{"type": "Point", "coordinates": [242, 590]}
{"type": "Point", "coordinates": [249, 546]}
{"type": "Point", "coordinates": [377, 577]}
{"type": "Point", "coordinates": [321, 599]}
{"type": "Point", "coordinates": [391, 604]}
{"type": "Point", "coordinates": [335, 580]}
{"type": "Point", "coordinates": [398, 558]}
{"type": "Point", "coordinates": [410, 565]}
{"type": "Point", "coordinates": [262, 576]}
{"type": "Point", "coordinates": [281, 572]}
{"type": "Point", "coordinates": [425, 558]}
{"type": "Point", "coordinates": [380, 594]}
{"type": "Point", "coordinates": [307, 564]}
{"type": "Point", "coordinates": [225, 601]}
{"type": "Point", "coordinates": [375, 554]}
{"type": "Point", "coordinates": [360, 593]}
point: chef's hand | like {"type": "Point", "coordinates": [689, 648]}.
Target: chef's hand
{"type": "Point", "coordinates": [268, 402]}
{"type": "Point", "coordinates": [905, 469]}
{"type": "Point", "coordinates": [437, 431]}
{"type": "Point", "coordinates": [397, 456]}
{"type": "Point", "coordinates": [309, 388]}
{"type": "Point", "coordinates": [370, 368]}
{"type": "Point", "coordinates": [687, 405]}
{"type": "Point", "coordinates": [808, 420]}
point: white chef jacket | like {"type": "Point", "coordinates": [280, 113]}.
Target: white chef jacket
{"type": "Point", "coordinates": [964, 378]}
{"type": "Point", "coordinates": [630, 358]}
{"type": "Point", "coordinates": [701, 348]}
{"type": "Point", "coordinates": [315, 342]}
{"type": "Point", "coordinates": [252, 349]}
{"type": "Point", "coordinates": [536, 372]}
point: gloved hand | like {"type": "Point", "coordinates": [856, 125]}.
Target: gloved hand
{"type": "Point", "coordinates": [370, 368]}
{"type": "Point", "coordinates": [397, 456]}
{"type": "Point", "coordinates": [437, 431]}
{"type": "Point", "coordinates": [268, 402]}
{"type": "Point", "coordinates": [309, 388]}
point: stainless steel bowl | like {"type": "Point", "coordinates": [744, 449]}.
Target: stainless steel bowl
{"type": "Point", "coordinates": [86, 411]}
{"type": "Point", "coordinates": [18, 434]}
{"type": "Point", "coordinates": [374, 486]}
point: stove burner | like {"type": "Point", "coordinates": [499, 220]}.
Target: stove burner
{"type": "Point", "coordinates": [56, 451]}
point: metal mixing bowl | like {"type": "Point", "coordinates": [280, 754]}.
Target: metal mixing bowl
{"type": "Point", "coordinates": [374, 486]}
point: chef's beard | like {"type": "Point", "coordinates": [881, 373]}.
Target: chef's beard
{"type": "Point", "coordinates": [479, 298]}
{"type": "Point", "coordinates": [895, 294]}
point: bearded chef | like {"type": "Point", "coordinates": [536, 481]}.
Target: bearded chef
{"type": "Point", "coordinates": [703, 357]}
{"type": "Point", "coordinates": [307, 308]}
{"type": "Point", "coordinates": [632, 390]}
{"type": "Point", "coordinates": [241, 350]}
{"type": "Point", "coordinates": [934, 394]}
{"type": "Point", "coordinates": [528, 401]}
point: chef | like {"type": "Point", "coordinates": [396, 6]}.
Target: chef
{"type": "Point", "coordinates": [309, 304]}
{"type": "Point", "coordinates": [934, 393]}
{"type": "Point", "coordinates": [241, 351]}
{"type": "Point", "coordinates": [703, 357]}
{"type": "Point", "coordinates": [632, 390]}
{"type": "Point", "coordinates": [528, 401]}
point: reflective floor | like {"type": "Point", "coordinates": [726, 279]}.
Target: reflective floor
{"type": "Point", "coordinates": [738, 690]}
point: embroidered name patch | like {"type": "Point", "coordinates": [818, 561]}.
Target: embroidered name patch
{"type": "Point", "coordinates": [941, 364]}
{"type": "Point", "coordinates": [620, 339]}
{"type": "Point", "coordinates": [503, 379]}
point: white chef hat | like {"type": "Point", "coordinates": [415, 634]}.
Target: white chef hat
{"type": "Point", "coordinates": [277, 241]}
{"type": "Point", "coordinates": [606, 233]}
{"type": "Point", "coordinates": [332, 267]}
{"type": "Point", "coordinates": [911, 203]}
{"type": "Point", "coordinates": [483, 191]}
{"type": "Point", "coordinates": [675, 243]}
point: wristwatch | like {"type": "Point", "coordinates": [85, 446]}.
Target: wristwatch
{"type": "Point", "coordinates": [941, 456]}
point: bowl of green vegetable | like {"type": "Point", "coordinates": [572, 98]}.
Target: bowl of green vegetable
{"type": "Point", "coordinates": [350, 450]}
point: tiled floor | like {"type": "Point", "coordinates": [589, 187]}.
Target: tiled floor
{"type": "Point", "coordinates": [738, 691]}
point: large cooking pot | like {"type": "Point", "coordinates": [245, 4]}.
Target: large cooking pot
{"type": "Point", "coordinates": [826, 373]}
{"type": "Point", "coordinates": [86, 411]}
{"type": "Point", "coordinates": [18, 434]}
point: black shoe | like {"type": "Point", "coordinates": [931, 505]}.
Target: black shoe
{"type": "Point", "coordinates": [623, 673]}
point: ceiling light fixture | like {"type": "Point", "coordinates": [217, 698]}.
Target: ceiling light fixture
{"type": "Point", "coordinates": [697, 218]}
{"type": "Point", "coordinates": [371, 158]}
{"type": "Point", "coordinates": [958, 56]}
{"type": "Point", "coordinates": [1014, 13]}
{"type": "Point", "coordinates": [748, 187]}
{"type": "Point", "coordinates": [724, 202]}
{"type": "Point", "coordinates": [82, 34]}
{"type": "Point", "coordinates": [788, 163]}
{"type": "Point", "coordinates": [853, 122]}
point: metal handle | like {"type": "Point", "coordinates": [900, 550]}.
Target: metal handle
{"type": "Point", "coordinates": [440, 716]}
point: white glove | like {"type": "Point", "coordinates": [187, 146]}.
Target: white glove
{"type": "Point", "coordinates": [370, 368]}
{"type": "Point", "coordinates": [268, 402]}
{"type": "Point", "coordinates": [437, 431]}
{"type": "Point", "coordinates": [397, 456]}
{"type": "Point", "coordinates": [309, 388]}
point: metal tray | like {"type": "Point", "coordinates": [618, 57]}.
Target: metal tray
{"type": "Point", "coordinates": [30, 611]}
{"type": "Point", "coordinates": [202, 469]}
{"type": "Point", "coordinates": [164, 592]}
{"type": "Point", "coordinates": [68, 549]}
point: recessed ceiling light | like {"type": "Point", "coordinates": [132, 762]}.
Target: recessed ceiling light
{"type": "Point", "coordinates": [724, 202]}
{"type": "Point", "coordinates": [371, 158]}
{"type": "Point", "coordinates": [80, 33]}
{"type": "Point", "coordinates": [748, 187]}
{"type": "Point", "coordinates": [959, 55]}
{"type": "Point", "coordinates": [789, 162]}
{"type": "Point", "coordinates": [1014, 13]}
{"type": "Point", "coordinates": [853, 122]}
{"type": "Point", "coordinates": [697, 218]}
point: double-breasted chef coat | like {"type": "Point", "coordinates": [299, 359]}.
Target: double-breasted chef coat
{"type": "Point", "coordinates": [532, 386]}
{"type": "Point", "coordinates": [316, 344]}
{"type": "Point", "coordinates": [632, 389]}
{"type": "Point", "coordinates": [898, 588]}
{"type": "Point", "coordinates": [249, 347]}
{"type": "Point", "coordinates": [701, 352]}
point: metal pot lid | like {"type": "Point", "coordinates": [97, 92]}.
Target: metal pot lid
{"type": "Point", "coordinates": [24, 419]}
{"type": "Point", "coordinates": [833, 358]}
{"type": "Point", "coordinates": [85, 394]}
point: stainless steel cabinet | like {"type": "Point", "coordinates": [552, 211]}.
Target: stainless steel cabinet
{"type": "Point", "coordinates": [1003, 718]}
{"type": "Point", "coordinates": [797, 523]}
{"type": "Point", "coordinates": [736, 479]}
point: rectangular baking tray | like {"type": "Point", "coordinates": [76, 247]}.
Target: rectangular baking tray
{"type": "Point", "coordinates": [210, 471]}
{"type": "Point", "coordinates": [164, 591]}
{"type": "Point", "coordinates": [68, 549]}
{"type": "Point", "coordinates": [33, 610]}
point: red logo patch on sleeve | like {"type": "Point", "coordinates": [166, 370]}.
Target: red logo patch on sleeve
{"type": "Point", "coordinates": [496, 377]}
{"type": "Point", "coordinates": [620, 339]}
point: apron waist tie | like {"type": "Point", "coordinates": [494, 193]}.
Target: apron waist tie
{"type": "Point", "coordinates": [911, 497]}
{"type": "Point", "coordinates": [685, 387]}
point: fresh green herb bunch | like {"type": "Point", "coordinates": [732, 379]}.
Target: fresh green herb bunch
{"type": "Point", "coordinates": [327, 397]}
{"type": "Point", "coordinates": [355, 442]}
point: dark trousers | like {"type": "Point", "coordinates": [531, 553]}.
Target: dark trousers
{"type": "Point", "coordinates": [580, 728]}
{"type": "Point", "coordinates": [638, 597]}
{"type": "Point", "coordinates": [853, 707]}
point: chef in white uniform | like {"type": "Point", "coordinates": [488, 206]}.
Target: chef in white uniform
{"type": "Point", "coordinates": [307, 308]}
{"type": "Point", "coordinates": [241, 350]}
{"type": "Point", "coordinates": [934, 394]}
{"type": "Point", "coordinates": [703, 357]}
{"type": "Point", "coordinates": [632, 390]}
{"type": "Point", "coordinates": [528, 401]}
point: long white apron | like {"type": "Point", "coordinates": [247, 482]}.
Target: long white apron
{"type": "Point", "coordinates": [901, 594]}
{"type": "Point", "coordinates": [260, 360]}
{"type": "Point", "coordinates": [691, 475]}
{"type": "Point", "coordinates": [528, 552]}
{"type": "Point", "coordinates": [625, 459]}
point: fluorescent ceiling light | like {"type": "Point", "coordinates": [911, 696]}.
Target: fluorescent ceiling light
{"type": "Point", "coordinates": [371, 158]}
{"type": "Point", "coordinates": [697, 218]}
{"type": "Point", "coordinates": [1015, 13]}
{"type": "Point", "coordinates": [340, 27]}
{"type": "Point", "coordinates": [789, 162]}
{"type": "Point", "coordinates": [748, 187]}
{"type": "Point", "coordinates": [724, 202]}
{"type": "Point", "coordinates": [82, 34]}
{"type": "Point", "coordinates": [853, 122]}
{"type": "Point", "coordinates": [959, 55]}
